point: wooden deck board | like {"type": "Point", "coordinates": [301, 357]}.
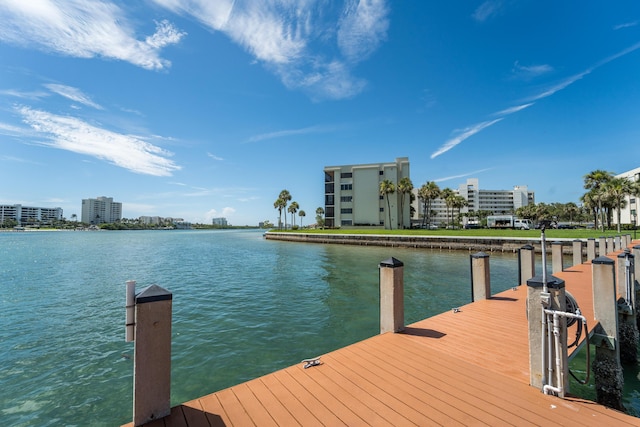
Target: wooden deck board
{"type": "Point", "coordinates": [464, 368]}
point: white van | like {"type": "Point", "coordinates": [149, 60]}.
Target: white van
{"type": "Point", "coordinates": [523, 224]}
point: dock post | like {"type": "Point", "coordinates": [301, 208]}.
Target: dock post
{"type": "Point", "coordinates": [577, 252]}
{"type": "Point", "coordinates": [152, 355]}
{"type": "Point", "coordinates": [542, 369]}
{"type": "Point", "coordinates": [391, 295]}
{"type": "Point", "coordinates": [610, 247]}
{"type": "Point", "coordinates": [591, 249]}
{"type": "Point", "coordinates": [556, 257]}
{"type": "Point", "coordinates": [480, 277]}
{"type": "Point", "coordinates": [526, 264]}
{"type": "Point", "coordinates": [602, 246]}
{"type": "Point", "coordinates": [617, 243]}
{"type": "Point", "coordinates": [606, 367]}
{"type": "Point", "coordinates": [627, 322]}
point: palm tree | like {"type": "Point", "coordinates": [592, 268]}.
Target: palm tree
{"type": "Point", "coordinates": [293, 208]}
{"type": "Point", "coordinates": [447, 195]}
{"type": "Point", "coordinates": [458, 202]}
{"type": "Point", "coordinates": [594, 181]}
{"type": "Point", "coordinates": [386, 188]}
{"type": "Point", "coordinates": [427, 193]}
{"type": "Point", "coordinates": [319, 218]}
{"type": "Point", "coordinates": [301, 214]}
{"type": "Point", "coordinates": [280, 205]}
{"type": "Point", "coordinates": [284, 196]}
{"type": "Point", "coordinates": [617, 189]}
{"type": "Point", "coordinates": [404, 186]}
{"type": "Point", "coordinates": [74, 217]}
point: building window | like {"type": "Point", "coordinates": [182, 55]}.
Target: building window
{"type": "Point", "coordinates": [381, 209]}
{"type": "Point", "coordinates": [346, 175]}
{"type": "Point", "coordinates": [346, 222]}
{"type": "Point", "coordinates": [381, 173]}
{"type": "Point", "coordinates": [328, 199]}
{"type": "Point", "coordinates": [381, 197]}
{"type": "Point", "coordinates": [329, 212]}
{"type": "Point", "coordinates": [328, 188]}
{"type": "Point", "coordinates": [346, 199]}
{"type": "Point", "coordinates": [328, 176]}
{"type": "Point", "coordinates": [346, 187]}
{"type": "Point", "coordinates": [346, 210]}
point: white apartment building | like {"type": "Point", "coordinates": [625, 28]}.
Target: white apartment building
{"type": "Point", "coordinates": [101, 210]}
{"type": "Point", "coordinates": [27, 215]}
{"type": "Point", "coordinates": [222, 222]}
{"type": "Point", "coordinates": [629, 214]}
{"type": "Point", "coordinates": [352, 195]}
{"type": "Point", "coordinates": [497, 202]}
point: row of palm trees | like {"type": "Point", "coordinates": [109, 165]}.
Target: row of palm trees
{"type": "Point", "coordinates": [429, 192]}
{"type": "Point", "coordinates": [294, 208]}
{"type": "Point", "coordinates": [404, 187]}
{"type": "Point", "coordinates": [605, 194]}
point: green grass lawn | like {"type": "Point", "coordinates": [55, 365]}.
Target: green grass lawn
{"type": "Point", "coordinates": [549, 234]}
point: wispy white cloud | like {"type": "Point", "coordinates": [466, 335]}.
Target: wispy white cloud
{"type": "Point", "coordinates": [472, 130]}
{"type": "Point", "coordinates": [362, 28]}
{"type": "Point", "coordinates": [625, 25]}
{"type": "Point", "coordinates": [462, 135]}
{"type": "Point", "coordinates": [290, 132]}
{"type": "Point", "coordinates": [464, 175]}
{"type": "Point", "coordinates": [125, 151]}
{"type": "Point", "coordinates": [34, 95]}
{"type": "Point", "coordinates": [73, 94]}
{"type": "Point", "coordinates": [284, 34]}
{"type": "Point", "coordinates": [214, 157]}
{"type": "Point", "coordinates": [11, 130]}
{"type": "Point", "coordinates": [528, 72]}
{"type": "Point", "coordinates": [512, 110]}
{"type": "Point", "coordinates": [83, 29]}
{"type": "Point", "coordinates": [486, 10]}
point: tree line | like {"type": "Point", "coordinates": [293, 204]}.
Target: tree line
{"type": "Point", "coordinates": [606, 194]}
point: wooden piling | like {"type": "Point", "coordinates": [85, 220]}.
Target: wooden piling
{"type": "Point", "coordinates": [606, 367]}
{"type": "Point", "coordinates": [480, 276]}
{"type": "Point", "coordinates": [152, 355]}
{"type": "Point", "coordinates": [577, 252]}
{"type": "Point", "coordinates": [526, 264]}
{"type": "Point", "coordinates": [391, 295]}
{"type": "Point", "coordinates": [591, 249]}
{"type": "Point", "coordinates": [556, 257]}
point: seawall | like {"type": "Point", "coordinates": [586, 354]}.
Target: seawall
{"type": "Point", "coordinates": [470, 243]}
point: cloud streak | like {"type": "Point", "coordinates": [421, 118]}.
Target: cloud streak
{"type": "Point", "coordinates": [289, 132]}
{"type": "Point", "coordinates": [474, 129]}
{"type": "Point", "coordinates": [284, 36]}
{"type": "Point", "coordinates": [73, 94]}
{"type": "Point", "coordinates": [83, 29]}
{"type": "Point", "coordinates": [125, 151]}
{"type": "Point", "coordinates": [462, 135]}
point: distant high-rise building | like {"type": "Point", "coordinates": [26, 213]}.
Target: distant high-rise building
{"type": "Point", "coordinates": [29, 215]}
{"type": "Point", "coordinates": [352, 195]}
{"type": "Point", "coordinates": [101, 210]}
{"type": "Point", "coordinates": [222, 222]}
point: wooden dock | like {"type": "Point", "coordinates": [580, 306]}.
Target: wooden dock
{"type": "Point", "coordinates": [468, 367]}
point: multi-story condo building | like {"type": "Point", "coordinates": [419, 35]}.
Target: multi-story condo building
{"type": "Point", "coordinates": [29, 215]}
{"type": "Point", "coordinates": [222, 222]}
{"type": "Point", "coordinates": [101, 210]}
{"type": "Point", "coordinates": [630, 212]}
{"type": "Point", "coordinates": [352, 195]}
{"type": "Point", "coordinates": [496, 202]}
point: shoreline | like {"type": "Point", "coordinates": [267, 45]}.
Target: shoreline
{"type": "Point", "coordinates": [469, 243]}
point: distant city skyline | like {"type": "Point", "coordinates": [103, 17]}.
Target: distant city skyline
{"type": "Point", "coordinates": [201, 110]}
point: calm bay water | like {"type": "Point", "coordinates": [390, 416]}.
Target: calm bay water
{"type": "Point", "coordinates": [243, 306]}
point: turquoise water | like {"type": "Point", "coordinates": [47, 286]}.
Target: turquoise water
{"type": "Point", "coordinates": [243, 306]}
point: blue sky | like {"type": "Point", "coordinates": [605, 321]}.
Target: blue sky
{"type": "Point", "coordinates": [200, 109]}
